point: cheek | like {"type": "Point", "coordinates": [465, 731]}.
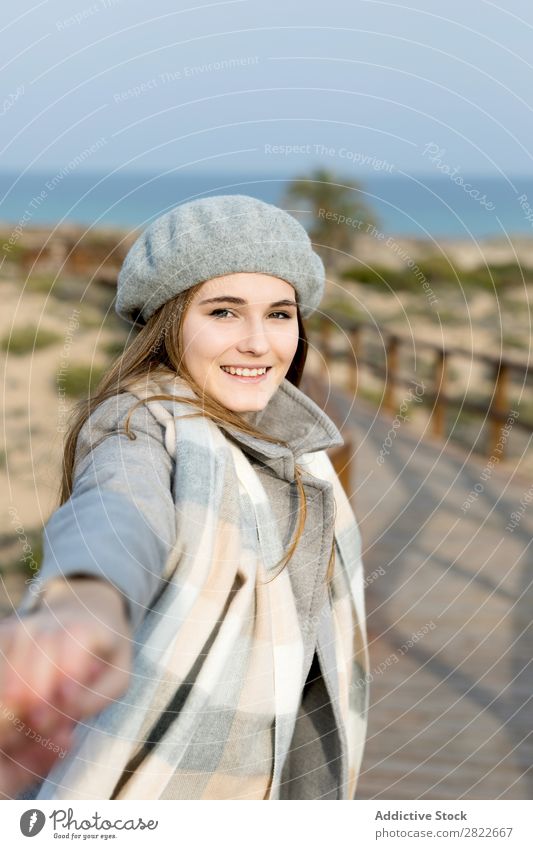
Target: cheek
{"type": "Point", "coordinates": [287, 342]}
{"type": "Point", "coordinates": [204, 344]}
{"type": "Point", "coordinates": [198, 340]}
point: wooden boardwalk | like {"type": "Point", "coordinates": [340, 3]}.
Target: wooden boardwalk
{"type": "Point", "coordinates": [451, 713]}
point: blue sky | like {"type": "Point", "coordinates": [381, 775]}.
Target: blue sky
{"type": "Point", "coordinates": [247, 87]}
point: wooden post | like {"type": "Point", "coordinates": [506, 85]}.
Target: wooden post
{"type": "Point", "coordinates": [354, 360]}
{"type": "Point", "coordinates": [326, 332]}
{"type": "Point", "coordinates": [391, 370]}
{"type": "Point", "coordinates": [343, 463]}
{"type": "Point", "coordinates": [438, 414]}
{"type": "Point", "coordinates": [500, 404]}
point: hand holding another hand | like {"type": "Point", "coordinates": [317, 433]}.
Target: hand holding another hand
{"type": "Point", "coordinates": [59, 664]}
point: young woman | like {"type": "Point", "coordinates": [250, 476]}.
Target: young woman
{"type": "Point", "coordinates": [197, 627]}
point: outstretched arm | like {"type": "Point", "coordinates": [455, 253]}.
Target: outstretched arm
{"type": "Point", "coordinates": [62, 662]}
{"type": "Point", "coordinates": [66, 650]}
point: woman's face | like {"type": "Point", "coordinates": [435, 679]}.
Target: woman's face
{"type": "Point", "coordinates": [239, 320]}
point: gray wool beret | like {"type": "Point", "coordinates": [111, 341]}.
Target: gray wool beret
{"type": "Point", "coordinates": [210, 237]}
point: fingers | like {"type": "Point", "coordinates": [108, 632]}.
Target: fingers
{"type": "Point", "coordinates": [25, 727]}
{"type": "Point", "coordinates": [29, 670]}
{"type": "Point", "coordinates": [30, 760]}
{"type": "Point", "coordinates": [85, 683]}
{"type": "Point", "coordinates": [53, 672]}
{"type": "Point", "coordinates": [40, 659]}
{"type": "Point", "coordinates": [7, 636]}
{"type": "Point", "coordinates": [32, 705]}
{"type": "Point", "coordinates": [109, 686]}
{"type": "Point", "coordinates": [30, 752]}
{"type": "Point", "coordinates": [56, 667]}
{"type": "Point", "coordinates": [103, 682]}
{"type": "Point", "coordinates": [40, 672]}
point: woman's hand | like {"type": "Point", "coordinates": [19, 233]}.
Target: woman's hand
{"type": "Point", "coordinates": [59, 664]}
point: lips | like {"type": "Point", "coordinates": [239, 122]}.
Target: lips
{"type": "Point", "coordinates": [257, 379]}
{"type": "Point", "coordinates": [250, 368]}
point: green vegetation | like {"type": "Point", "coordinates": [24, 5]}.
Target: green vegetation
{"type": "Point", "coordinates": [386, 279]}
{"type": "Point", "coordinates": [337, 309]}
{"type": "Point", "coordinates": [25, 340]}
{"type": "Point", "coordinates": [12, 253]}
{"type": "Point", "coordinates": [80, 379]}
{"type": "Point", "coordinates": [90, 317]}
{"type": "Point", "coordinates": [115, 347]}
{"type": "Point", "coordinates": [338, 212]}
{"type": "Point", "coordinates": [112, 322]}
{"type": "Point", "coordinates": [20, 562]}
{"type": "Point", "coordinates": [440, 275]}
{"type": "Point", "coordinates": [373, 395]}
{"type": "Point", "coordinates": [99, 238]}
{"type": "Point", "coordinates": [510, 340]}
{"type": "Point", "coordinates": [42, 284]}
{"type": "Point", "coordinates": [343, 306]}
{"type": "Point", "coordinates": [59, 287]}
{"type": "Point", "coordinates": [525, 407]}
{"type": "Point", "coordinates": [94, 296]}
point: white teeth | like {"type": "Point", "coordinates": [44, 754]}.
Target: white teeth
{"type": "Point", "coordinates": [244, 372]}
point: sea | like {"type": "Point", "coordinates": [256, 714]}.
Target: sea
{"type": "Point", "coordinates": [436, 206]}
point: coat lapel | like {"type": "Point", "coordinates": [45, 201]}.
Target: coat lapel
{"type": "Point", "coordinates": [293, 417]}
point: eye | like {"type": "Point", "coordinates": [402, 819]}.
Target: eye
{"type": "Point", "coordinates": [218, 311]}
{"type": "Point", "coordinates": [225, 310]}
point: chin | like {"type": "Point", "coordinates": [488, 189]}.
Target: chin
{"type": "Point", "coordinates": [243, 405]}
{"type": "Point", "coordinates": [249, 407]}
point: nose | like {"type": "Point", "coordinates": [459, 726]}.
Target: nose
{"type": "Point", "coordinates": [256, 340]}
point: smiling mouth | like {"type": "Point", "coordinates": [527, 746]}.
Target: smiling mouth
{"type": "Point", "coordinates": [248, 378]}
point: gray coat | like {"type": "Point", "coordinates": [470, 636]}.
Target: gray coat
{"type": "Point", "coordinates": [120, 524]}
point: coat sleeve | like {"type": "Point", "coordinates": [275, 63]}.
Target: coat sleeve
{"type": "Point", "coordinates": [120, 522]}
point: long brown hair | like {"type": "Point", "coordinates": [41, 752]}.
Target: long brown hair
{"type": "Point", "coordinates": [158, 347]}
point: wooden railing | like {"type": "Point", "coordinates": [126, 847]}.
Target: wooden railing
{"type": "Point", "coordinates": [334, 328]}
{"type": "Point", "coordinates": [342, 459]}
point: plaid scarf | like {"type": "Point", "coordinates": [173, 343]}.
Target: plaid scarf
{"type": "Point", "coordinates": [217, 673]}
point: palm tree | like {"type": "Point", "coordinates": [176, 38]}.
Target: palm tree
{"type": "Point", "coordinates": [338, 214]}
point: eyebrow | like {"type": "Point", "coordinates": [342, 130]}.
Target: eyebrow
{"type": "Point", "coordinates": [233, 300]}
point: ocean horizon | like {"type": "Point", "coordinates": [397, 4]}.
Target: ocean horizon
{"type": "Point", "coordinates": [410, 206]}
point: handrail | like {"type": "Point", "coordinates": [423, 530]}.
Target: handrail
{"type": "Point", "coordinates": [498, 411]}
